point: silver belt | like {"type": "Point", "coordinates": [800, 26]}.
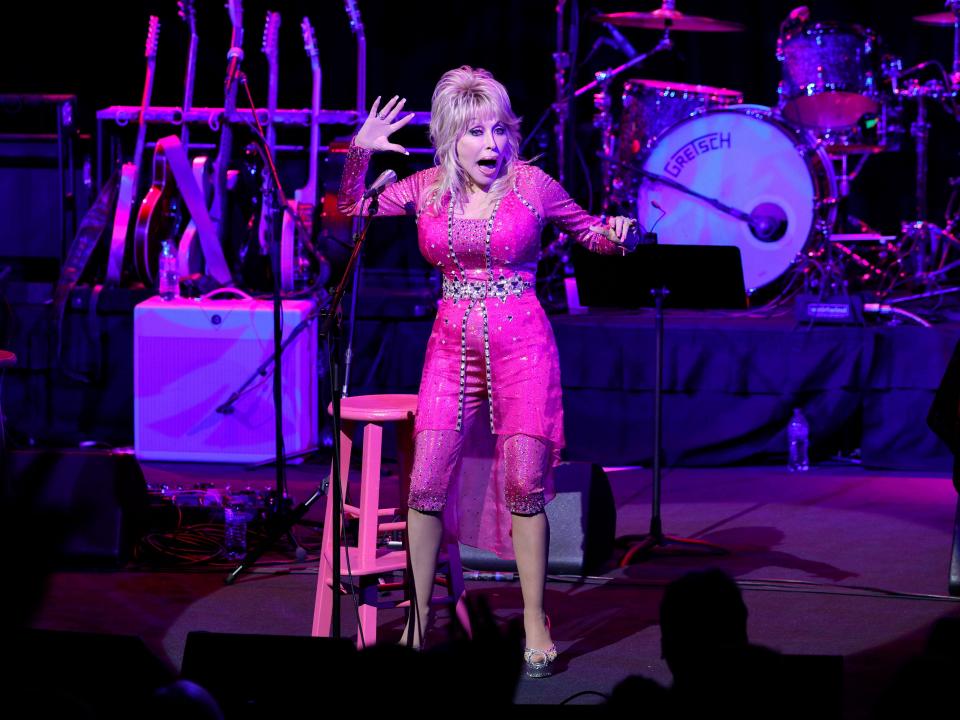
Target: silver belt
{"type": "Point", "coordinates": [502, 288]}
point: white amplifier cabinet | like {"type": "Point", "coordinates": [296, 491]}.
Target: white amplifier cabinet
{"type": "Point", "coordinates": [190, 356]}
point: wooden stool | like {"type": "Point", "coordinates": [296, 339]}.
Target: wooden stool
{"type": "Point", "coordinates": [365, 562]}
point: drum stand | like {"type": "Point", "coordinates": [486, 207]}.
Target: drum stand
{"type": "Point", "coordinates": [602, 102]}
{"type": "Point", "coordinates": [922, 238]}
{"type": "Point", "coordinates": [836, 248]}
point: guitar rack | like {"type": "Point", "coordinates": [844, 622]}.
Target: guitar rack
{"type": "Point", "coordinates": [122, 115]}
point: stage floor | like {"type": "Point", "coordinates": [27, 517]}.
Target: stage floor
{"type": "Point", "coordinates": [837, 561]}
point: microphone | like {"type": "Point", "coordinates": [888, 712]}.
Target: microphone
{"type": "Point", "coordinates": [386, 178]}
{"type": "Point", "coordinates": [663, 214]}
{"type": "Point", "coordinates": [620, 42]}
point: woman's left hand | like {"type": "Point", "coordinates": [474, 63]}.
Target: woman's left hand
{"type": "Point", "coordinates": [616, 230]}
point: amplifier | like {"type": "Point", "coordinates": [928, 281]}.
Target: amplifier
{"type": "Point", "coordinates": [191, 356]}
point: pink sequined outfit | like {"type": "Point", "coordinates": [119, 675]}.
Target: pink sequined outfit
{"type": "Point", "coordinates": [491, 348]}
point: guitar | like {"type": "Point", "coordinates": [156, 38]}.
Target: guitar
{"type": "Point", "coordinates": [255, 258]}
{"type": "Point", "coordinates": [335, 240]}
{"type": "Point", "coordinates": [188, 14]}
{"type": "Point", "coordinates": [189, 259]}
{"type": "Point", "coordinates": [294, 266]}
{"type": "Point", "coordinates": [130, 172]}
{"type": "Point", "coordinates": [219, 211]}
{"type": "Point", "coordinates": [356, 26]}
{"type": "Point", "coordinates": [199, 248]}
{"type": "Point", "coordinates": [159, 219]}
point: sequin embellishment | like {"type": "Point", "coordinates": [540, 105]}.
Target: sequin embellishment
{"type": "Point", "coordinates": [457, 286]}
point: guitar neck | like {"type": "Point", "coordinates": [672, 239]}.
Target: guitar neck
{"type": "Point", "coordinates": [273, 84]}
{"type": "Point", "coordinates": [226, 148]}
{"type": "Point", "coordinates": [309, 191]}
{"type": "Point", "coordinates": [142, 121]}
{"type": "Point", "coordinates": [188, 83]}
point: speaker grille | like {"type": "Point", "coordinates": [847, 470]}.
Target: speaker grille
{"type": "Point", "coordinates": [188, 360]}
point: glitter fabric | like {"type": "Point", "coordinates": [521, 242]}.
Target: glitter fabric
{"type": "Point", "coordinates": [525, 462]}
{"type": "Point", "coordinates": [499, 348]}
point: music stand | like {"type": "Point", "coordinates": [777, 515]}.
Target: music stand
{"type": "Point", "coordinates": [704, 277]}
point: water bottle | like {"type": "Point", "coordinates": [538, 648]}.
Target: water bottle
{"type": "Point", "coordinates": [168, 279]}
{"type": "Point", "coordinates": [237, 512]}
{"type": "Point", "coordinates": [798, 439]}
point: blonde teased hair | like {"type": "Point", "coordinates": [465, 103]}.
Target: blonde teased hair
{"type": "Point", "coordinates": [463, 96]}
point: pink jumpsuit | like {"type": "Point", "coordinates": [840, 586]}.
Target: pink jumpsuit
{"type": "Point", "coordinates": [491, 355]}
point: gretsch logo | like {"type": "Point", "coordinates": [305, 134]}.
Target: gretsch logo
{"type": "Point", "coordinates": [696, 147]}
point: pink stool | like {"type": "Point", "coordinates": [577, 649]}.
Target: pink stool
{"type": "Point", "coordinates": [366, 562]}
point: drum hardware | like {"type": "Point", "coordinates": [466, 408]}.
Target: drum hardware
{"type": "Point", "coordinates": [767, 221]}
{"type": "Point", "coordinates": [600, 86]}
{"type": "Point", "coordinates": [602, 102]}
{"type": "Point", "coordinates": [667, 17]}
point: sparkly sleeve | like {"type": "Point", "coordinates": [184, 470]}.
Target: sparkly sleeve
{"type": "Point", "coordinates": [560, 209]}
{"type": "Point", "coordinates": [398, 199]}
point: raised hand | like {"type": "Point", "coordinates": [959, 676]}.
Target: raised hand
{"type": "Point", "coordinates": [381, 124]}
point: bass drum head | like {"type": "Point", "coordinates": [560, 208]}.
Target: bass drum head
{"type": "Point", "coordinates": [750, 161]}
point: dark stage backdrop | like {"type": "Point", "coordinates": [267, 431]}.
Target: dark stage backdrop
{"type": "Point", "coordinates": [95, 50]}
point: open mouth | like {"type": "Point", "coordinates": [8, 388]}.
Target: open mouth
{"type": "Point", "coordinates": [488, 165]}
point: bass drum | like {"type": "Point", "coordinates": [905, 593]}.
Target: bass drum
{"type": "Point", "coordinates": [777, 186]}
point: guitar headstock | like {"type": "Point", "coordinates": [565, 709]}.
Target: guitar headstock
{"type": "Point", "coordinates": [356, 23]}
{"type": "Point", "coordinates": [188, 14]}
{"type": "Point", "coordinates": [153, 37]}
{"type": "Point", "coordinates": [271, 36]}
{"type": "Point", "coordinates": [310, 42]}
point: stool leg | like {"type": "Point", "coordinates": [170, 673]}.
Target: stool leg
{"type": "Point", "coordinates": [368, 625]}
{"type": "Point", "coordinates": [405, 450]}
{"type": "Point", "coordinates": [368, 524]}
{"type": "Point", "coordinates": [323, 603]}
{"type": "Point", "coordinates": [370, 493]}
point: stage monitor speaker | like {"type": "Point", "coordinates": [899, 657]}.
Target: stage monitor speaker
{"type": "Point", "coordinates": [81, 675]}
{"type": "Point", "coordinates": [90, 506]}
{"type": "Point", "coordinates": [944, 419]}
{"type": "Point", "coordinates": [816, 682]}
{"type": "Point", "coordinates": [191, 356]}
{"type": "Point", "coordinates": [583, 520]}
{"type": "Point", "coordinates": [260, 675]}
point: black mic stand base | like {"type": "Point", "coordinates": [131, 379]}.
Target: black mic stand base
{"type": "Point", "coordinates": [643, 547]}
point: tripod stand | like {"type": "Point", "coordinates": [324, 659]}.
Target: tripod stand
{"type": "Point", "coordinates": [691, 276]}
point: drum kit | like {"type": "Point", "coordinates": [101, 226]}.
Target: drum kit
{"type": "Point", "coordinates": [702, 167]}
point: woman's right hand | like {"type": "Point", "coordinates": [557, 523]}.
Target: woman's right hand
{"type": "Point", "coordinates": [380, 124]}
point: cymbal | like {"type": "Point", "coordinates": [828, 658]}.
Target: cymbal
{"type": "Point", "coordinates": [673, 19]}
{"type": "Point", "coordinates": [940, 18]}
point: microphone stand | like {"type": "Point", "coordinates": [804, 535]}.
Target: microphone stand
{"type": "Point", "coordinates": [643, 546]}
{"type": "Point", "coordinates": [277, 508]}
{"type": "Point", "coordinates": [330, 330]}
